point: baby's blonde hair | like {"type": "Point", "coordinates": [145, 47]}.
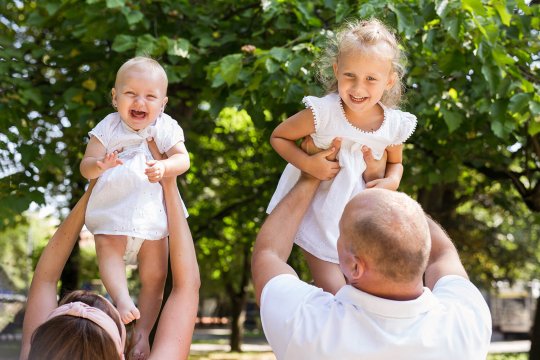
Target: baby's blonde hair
{"type": "Point", "coordinates": [370, 36]}
{"type": "Point", "coordinates": [146, 62]}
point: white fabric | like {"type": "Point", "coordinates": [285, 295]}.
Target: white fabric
{"type": "Point", "coordinates": [301, 321]}
{"type": "Point", "coordinates": [124, 202]}
{"type": "Point", "coordinates": [319, 230]}
{"type": "Point", "coordinates": [133, 245]}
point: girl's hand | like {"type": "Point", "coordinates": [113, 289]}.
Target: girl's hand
{"type": "Point", "coordinates": [155, 170]}
{"type": "Point", "coordinates": [322, 168]}
{"type": "Point", "coordinates": [109, 161]}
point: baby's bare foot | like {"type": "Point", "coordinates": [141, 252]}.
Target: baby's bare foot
{"type": "Point", "coordinates": [128, 311]}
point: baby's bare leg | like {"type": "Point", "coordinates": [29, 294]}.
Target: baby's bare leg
{"type": "Point", "coordinates": [152, 271]}
{"type": "Point", "coordinates": [110, 251]}
{"type": "Point", "coordinates": [326, 275]}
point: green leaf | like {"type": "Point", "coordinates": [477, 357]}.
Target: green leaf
{"type": "Point", "coordinates": [502, 11]}
{"type": "Point", "coordinates": [146, 45]}
{"type": "Point", "coordinates": [31, 94]}
{"type": "Point", "coordinates": [342, 10]}
{"type": "Point", "coordinates": [452, 119]}
{"type": "Point", "coordinates": [534, 126]}
{"type": "Point", "coordinates": [230, 67]}
{"type": "Point", "coordinates": [271, 65]}
{"type": "Point", "coordinates": [501, 58]}
{"type": "Point", "coordinates": [111, 4]}
{"type": "Point", "coordinates": [133, 16]}
{"type": "Point", "coordinates": [178, 47]}
{"type": "Point", "coordinates": [123, 43]}
{"type": "Point", "coordinates": [474, 6]}
{"type": "Point", "coordinates": [280, 54]}
{"type": "Point", "coordinates": [519, 102]}
{"type": "Point", "coordinates": [406, 24]}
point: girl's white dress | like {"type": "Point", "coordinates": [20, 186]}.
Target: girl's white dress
{"type": "Point", "coordinates": [124, 202]}
{"type": "Point", "coordinates": [319, 230]}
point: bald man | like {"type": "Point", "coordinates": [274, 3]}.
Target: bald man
{"type": "Point", "coordinates": [386, 311]}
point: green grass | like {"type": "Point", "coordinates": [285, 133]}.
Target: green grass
{"type": "Point", "coordinates": [515, 356]}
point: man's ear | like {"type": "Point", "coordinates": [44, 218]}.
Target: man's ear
{"type": "Point", "coordinates": [359, 267]}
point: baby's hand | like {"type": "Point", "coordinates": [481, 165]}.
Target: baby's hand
{"type": "Point", "coordinates": [109, 161]}
{"type": "Point", "coordinates": [155, 170]}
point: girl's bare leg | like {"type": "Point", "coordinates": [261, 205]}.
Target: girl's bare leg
{"type": "Point", "coordinates": [326, 275]}
{"type": "Point", "coordinates": [112, 270]}
{"type": "Point", "coordinates": [152, 271]}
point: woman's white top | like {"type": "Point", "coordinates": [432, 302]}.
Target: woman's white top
{"type": "Point", "coordinates": [124, 202]}
{"type": "Point", "coordinates": [319, 231]}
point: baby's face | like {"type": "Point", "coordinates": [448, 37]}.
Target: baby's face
{"type": "Point", "coordinates": [140, 96]}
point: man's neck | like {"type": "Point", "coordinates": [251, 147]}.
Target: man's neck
{"type": "Point", "coordinates": [391, 290]}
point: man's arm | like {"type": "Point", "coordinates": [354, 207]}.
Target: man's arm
{"type": "Point", "coordinates": [276, 237]}
{"type": "Point", "coordinates": [443, 259]}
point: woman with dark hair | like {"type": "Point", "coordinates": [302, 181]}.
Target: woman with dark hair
{"type": "Point", "coordinates": [86, 325]}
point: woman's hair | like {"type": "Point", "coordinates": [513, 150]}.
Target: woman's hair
{"type": "Point", "coordinates": [369, 36]}
{"type": "Point", "coordinates": [68, 337]}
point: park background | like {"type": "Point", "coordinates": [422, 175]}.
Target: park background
{"type": "Point", "coordinates": [238, 68]}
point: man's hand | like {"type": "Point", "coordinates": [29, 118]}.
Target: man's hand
{"type": "Point", "coordinates": [109, 161]}
{"type": "Point", "coordinates": [375, 169]}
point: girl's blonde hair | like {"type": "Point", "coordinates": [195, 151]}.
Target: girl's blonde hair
{"type": "Point", "coordinates": [370, 36]}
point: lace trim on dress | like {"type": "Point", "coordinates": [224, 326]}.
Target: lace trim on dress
{"type": "Point", "coordinates": [308, 104]}
{"type": "Point", "coordinates": [357, 128]}
{"type": "Point", "coordinates": [411, 118]}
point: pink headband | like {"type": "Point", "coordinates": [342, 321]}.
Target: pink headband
{"type": "Point", "coordinates": [97, 316]}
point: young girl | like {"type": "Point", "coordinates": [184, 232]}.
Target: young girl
{"type": "Point", "coordinates": [126, 206]}
{"type": "Point", "coordinates": [366, 68]}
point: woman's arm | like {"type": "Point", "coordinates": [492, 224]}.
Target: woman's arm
{"type": "Point", "coordinates": [42, 294]}
{"type": "Point", "coordinates": [177, 320]}
{"type": "Point", "coordinates": [283, 140]}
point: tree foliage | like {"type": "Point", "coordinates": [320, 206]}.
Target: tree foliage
{"type": "Point", "coordinates": [238, 68]}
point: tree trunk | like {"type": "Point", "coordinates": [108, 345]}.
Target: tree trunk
{"type": "Point", "coordinates": [534, 353]}
{"type": "Point", "coordinates": [239, 300]}
{"type": "Point", "coordinates": [238, 317]}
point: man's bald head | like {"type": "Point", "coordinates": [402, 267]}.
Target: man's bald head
{"type": "Point", "coordinates": [390, 231]}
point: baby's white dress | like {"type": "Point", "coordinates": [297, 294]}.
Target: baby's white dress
{"type": "Point", "coordinates": [124, 202]}
{"type": "Point", "coordinates": [319, 230]}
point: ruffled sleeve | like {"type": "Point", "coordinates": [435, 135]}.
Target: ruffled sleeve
{"type": "Point", "coordinates": [169, 133]}
{"type": "Point", "coordinates": [406, 124]}
{"type": "Point", "coordinates": [322, 108]}
{"type": "Point", "coordinates": [103, 130]}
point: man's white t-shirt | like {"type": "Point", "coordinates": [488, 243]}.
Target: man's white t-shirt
{"type": "Point", "coordinates": [302, 321]}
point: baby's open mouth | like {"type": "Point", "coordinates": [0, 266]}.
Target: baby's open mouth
{"type": "Point", "coordinates": [138, 114]}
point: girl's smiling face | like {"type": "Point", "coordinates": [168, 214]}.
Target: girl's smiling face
{"type": "Point", "coordinates": [139, 96]}
{"type": "Point", "coordinates": [362, 79]}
